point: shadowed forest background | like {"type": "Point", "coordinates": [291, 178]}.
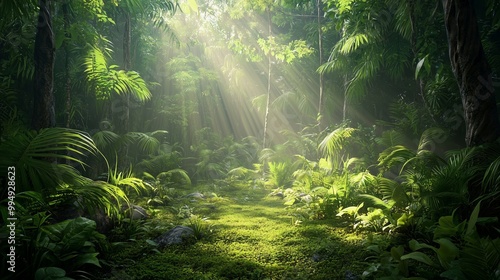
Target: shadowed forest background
{"type": "Point", "coordinates": [326, 139]}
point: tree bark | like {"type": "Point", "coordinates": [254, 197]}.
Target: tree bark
{"type": "Point", "coordinates": [472, 71]}
{"type": "Point", "coordinates": [43, 107]}
{"type": "Point", "coordinates": [269, 69]}
{"type": "Point", "coordinates": [67, 87]}
{"type": "Point", "coordinates": [320, 49]}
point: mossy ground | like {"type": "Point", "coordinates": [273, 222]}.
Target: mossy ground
{"type": "Point", "coordinates": [251, 236]}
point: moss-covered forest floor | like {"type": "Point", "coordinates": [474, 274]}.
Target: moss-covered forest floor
{"type": "Point", "coordinates": [247, 234]}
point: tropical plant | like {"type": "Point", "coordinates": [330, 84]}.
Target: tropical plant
{"type": "Point", "coordinates": [137, 144]}
{"type": "Point", "coordinates": [280, 174]}
{"type": "Point", "coordinates": [462, 253]}
{"type": "Point", "coordinates": [201, 227]}
{"type": "Point", "coordinates": [106, 80]}
{"type": "Point", "coordinates": [60, 249]}
{"type": "Point", "coordinates": [334, 145]}
{"type": "Point", "coordinates": [35, 156]}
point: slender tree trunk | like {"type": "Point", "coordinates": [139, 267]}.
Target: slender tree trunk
{"type": "Point", "coordinates": [344, 108]}
{"type": "Point", "coordinates": [269, 69]}
{"type": "Point", "coordinates": [65, 8]}
{"type": "Point", "coordinates": [320, 49]}
{"type": "Point", "coordinates": [472, 71]}
{"type": "Point", "coordinates": [43, 110]}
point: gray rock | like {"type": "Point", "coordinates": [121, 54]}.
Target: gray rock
{"type": "Point", "coordinates": [136, 212]}
{"type": "Point", "coordinates": [177, 235]}
{"type": "Point", "coordinates": [278, 194]}
{"type": "Point", "coordinates": [316, 257]}
{"type": "Point", "coordinates": [196, 195]}
{"type": "Point", "coordinates": [306, 198]}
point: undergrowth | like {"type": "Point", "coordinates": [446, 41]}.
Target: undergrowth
{"type": "Point", "coordinates": [242, 234]}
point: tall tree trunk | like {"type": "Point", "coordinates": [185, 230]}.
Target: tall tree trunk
{"type": "Point", "coordinates": [43, 109]}
{"type": "Point", "coordinates": [320, 49]}
{"type": "Point", "coordinates": [344, 107]}
{"type": "Point", "coordinates": [472, 71]}
{"type": "Point", "coordinates": [65, 8]}
{"type": "Point", "coordinates": [269, 68]}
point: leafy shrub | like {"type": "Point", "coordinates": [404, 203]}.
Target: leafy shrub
{"type": "Point", "coordinates": [460, 253]}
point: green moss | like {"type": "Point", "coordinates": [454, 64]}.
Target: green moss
{"type": "Point", "coordinates": [253, 238]}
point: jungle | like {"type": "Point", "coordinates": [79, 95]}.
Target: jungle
{"type": "Point", "coordinates": [250, 139]}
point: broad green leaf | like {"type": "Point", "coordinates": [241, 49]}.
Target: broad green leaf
{"type": "Point", "coordinates": [397, 252]}
{"type": "Point", "coordinates": [448, 228]}
{"type": "Point", "coordinates": [86, 258]}
{"type": "Point", "coordinates": [471, 225]}
{"type": "Point", "coordinates": [447, 252]}
{"type": "Point", "coordinates": [51, 273]}
{"type": "Point", "coordinates": [420, 257]}
{"type": "Point", "coordinates": [289, 202]}
{"type": "Point", "coordinates": [415, 245]}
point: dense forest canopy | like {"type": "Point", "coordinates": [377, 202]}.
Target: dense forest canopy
{"type": "Point", "coordinates": [384, 108]}
{"type": "Point", "coordinates": [228, 65]}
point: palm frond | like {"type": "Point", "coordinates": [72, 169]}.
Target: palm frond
{"type": "Point", "coordinates": [481, 259]}
{"type": "Point", "coordinates": [105, 139]}
{"type": "Point", "coordinates": [35, 155]}
{"type": "Point", "coordinates": [351, 43]}
{"type": "Point", "coordinates": [390, 138]}
{"type": "Point", "coordinates": [394, 156]}
{"type": "Point", "coordinates": [145, 142]}
{"type": "Point", "coordinates": [259, 102]}
{"type": "Point", "coordinates": [105, 80]}
{"type": "Point", "coordinates": [93, 196]}
{"type": "Point", "coordinates": [492, 175]}
{"type": "Point", "coordinates": [335, 140]}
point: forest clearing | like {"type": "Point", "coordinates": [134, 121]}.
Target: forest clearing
{"type": "Point", "coordinates": [246, 234]}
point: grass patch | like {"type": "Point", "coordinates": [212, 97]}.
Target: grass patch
{"type": "Point", "coordinates": [252, 237]}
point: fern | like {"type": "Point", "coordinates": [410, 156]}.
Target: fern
{"type": "Point", "coordinates": [333, 144]}
{"type": "Point", "coordinates": [174, 176]}
{"type": "Point", "coordinates": [30, 153]}
{"type": "Point", "coordinates": [106, 80]}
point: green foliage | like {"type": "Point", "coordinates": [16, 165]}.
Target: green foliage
{"type": "Point", "coordinates": [174, 176]}
{"type": "Point", "coordinates": [333, 145]}
{"type": "Point", "coordinates": [51, 273]}
{"type": "Point", "coordinates": [60, 250]}
{"type": "Point", "coordinates": [216, 155]}
{"type": "Point", "coordinates": [139, 145]}
{"type": "Point", "coordinates": [460, 253]}
{"type": "Point", "coordinates": [286, 53]}
{"type": "Point", "coordinates": [279, 174]}
{"type": "Point", "coordinates": [201, 226]}
{"type": "Point", "coordinates": [159, 163]}
{"type": "Point", "coordinates": [126, 181]}
{"type": "Point", "coordinates": [106, 80]}
{"type": "Point", "coordinates": [469, 257]}
{"type": "Point", "coordinates": [35, 156]}
{"type": "Point", "coordinates": [61, 241]}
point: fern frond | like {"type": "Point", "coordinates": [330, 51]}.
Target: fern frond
{"type": "Point", "coordinates": [352, 43]}
{"type": "Point", "coordinates": [29, 152]}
